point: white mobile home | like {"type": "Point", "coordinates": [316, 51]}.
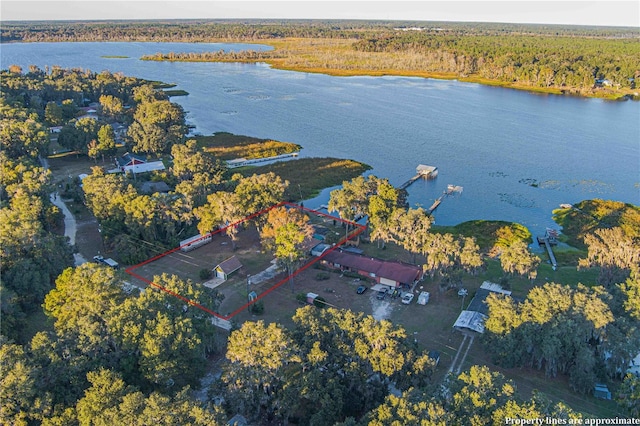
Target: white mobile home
{"type": "Point", "coordinates": [194, 242]}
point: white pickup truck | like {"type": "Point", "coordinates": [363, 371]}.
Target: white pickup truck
{"type": "Point", "coordinates": [108, 261]}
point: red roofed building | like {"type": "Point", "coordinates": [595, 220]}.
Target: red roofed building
{"type": "Point", "coordinates": [396, 274]}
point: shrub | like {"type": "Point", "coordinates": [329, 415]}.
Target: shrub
{"type": "Point", "coordinates": [205, 274]}
{"type": "Point", "coordinates": [351, 274]}
{"type": "Point", "coordinates": [322, 276]}
{"type": "Point", "coordinates": [257, 308]}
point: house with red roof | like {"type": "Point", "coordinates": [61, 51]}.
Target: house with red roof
{"type": "Point", "coordinates": [394, 274]}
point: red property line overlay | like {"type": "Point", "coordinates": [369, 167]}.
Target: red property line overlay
{"type": "Point", "coordinates": [358, 230]}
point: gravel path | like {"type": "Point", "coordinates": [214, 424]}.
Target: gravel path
{"type": "Point", "coordinates": [70, 226]}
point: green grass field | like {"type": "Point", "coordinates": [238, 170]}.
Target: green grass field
{"type": "Point", "coordinates": [227, 146]}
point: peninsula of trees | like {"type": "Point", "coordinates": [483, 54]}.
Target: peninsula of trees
{"type": "Point", "coordinates": [585, 61]}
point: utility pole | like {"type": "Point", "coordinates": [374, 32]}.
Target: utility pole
{"type": "Point", "coordinates": [462, 292]}
{"type": "Point", "coordinates": [248, 291]}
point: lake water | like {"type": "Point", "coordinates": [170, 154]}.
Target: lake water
{"type": "Point", "coordinates": [517, 155]}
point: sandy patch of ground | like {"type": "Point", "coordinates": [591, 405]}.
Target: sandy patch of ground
{"type": "Point", "coordinates": [381, 308]}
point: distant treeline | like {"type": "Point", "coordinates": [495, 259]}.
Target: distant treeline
{"type": "Point", "coordinates": [177, 31]}
{"type": "Point", "coordinates": [212, 30]}
{"type": "Point", "coordinates": [217, 56]}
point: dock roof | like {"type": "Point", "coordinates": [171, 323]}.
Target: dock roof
{"type": "Point", "coordinates": [422, 168]}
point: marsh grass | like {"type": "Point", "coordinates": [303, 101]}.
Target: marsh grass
{"type": "Point", "coordinates": [308, 176]}
{"type": "Point", "coordinates": [227, 146]}
{"type": "Point", "coordinates": [177, 92]}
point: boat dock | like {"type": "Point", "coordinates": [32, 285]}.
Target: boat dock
{"type": "Point", "coordinates": [430, 172]}
{"type": "Point", "coordinates": [550, 239]}
{"type": "Point", "coordinates": [451, 189]}
{"type": "Point", "coordinates": [422, 171]}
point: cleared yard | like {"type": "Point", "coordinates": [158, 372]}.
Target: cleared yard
{"type": "Point", "coordinates": [248, 250]}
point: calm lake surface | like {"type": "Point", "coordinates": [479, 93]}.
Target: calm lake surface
{"type": "Point", "coordinates": [517, 155]}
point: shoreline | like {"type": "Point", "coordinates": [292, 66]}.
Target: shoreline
{"type": "Point", "coordinates": [279, 63]}
{"type": "Point", "coordinates": [573, 92]}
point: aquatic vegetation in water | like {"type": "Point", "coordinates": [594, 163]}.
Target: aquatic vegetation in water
{"type": "Point", "coordinates": [550, 184]}
{"type": "Point", "coordinates": [592, 186]}
{"type": "Point", "coordinates": [258, 97]}
{"type": "Point", "coordinates": [517, 200]}
{"type": "Point", "coordinates": [529, 181]}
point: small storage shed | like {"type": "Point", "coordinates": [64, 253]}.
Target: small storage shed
{"type": "Point", "coordinates": [226, 268]}
{"type": "Point", "coordinates": [423, 298]}
{"type": "Point", "coordinates": [601, 391]}
{"type": "Point", "coordinates": [311, 297]}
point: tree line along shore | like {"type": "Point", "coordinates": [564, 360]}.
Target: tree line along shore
{"type": "Point", "coordinates": [582, 61]}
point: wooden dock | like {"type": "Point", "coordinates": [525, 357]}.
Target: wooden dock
{"type": "Point", "coordinates": [410, 181]}
{"type": "Point", "coordinates": [549, 239]}
{"type": "Point", "coordinates": [451, 189]}
{"type": "Point", "coordinates": [422, 171]}
{"type": "Point", "coordinates": [435, 204]}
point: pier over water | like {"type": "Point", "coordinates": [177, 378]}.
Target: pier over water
{"type": "Point", "coordinates": [422, 171]}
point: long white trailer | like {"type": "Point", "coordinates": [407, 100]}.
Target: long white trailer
{"type": "Point", "coordinates": [194, 242]}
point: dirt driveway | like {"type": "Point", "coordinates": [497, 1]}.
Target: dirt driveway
{"type": "Point", "coordinates": [65, 170]}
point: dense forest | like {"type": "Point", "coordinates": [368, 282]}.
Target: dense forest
{"type": "Point", "coordinates": [588, 61]}
{"type": "Point", "coordinates": [110, 354]}
{"type": "Point", "coordinates": [210, 30]}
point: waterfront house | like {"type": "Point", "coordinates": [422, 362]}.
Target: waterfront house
{"type": "Point", "coordinates": [393, 274]}
{"type": "Point", "coordinates": [137, 164]}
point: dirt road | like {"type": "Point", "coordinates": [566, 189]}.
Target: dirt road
{"type": "Point", "coordinates": [70, 226]}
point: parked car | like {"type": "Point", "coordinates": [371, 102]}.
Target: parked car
{"type": "Point", "coordinates": [381, 295]}
{"type": "Point", "coordinates": [407, 298]}
{"type": "Point", "coordinates": [108, 262]}
{"type": "Point", "coordinates": [361, 289]}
